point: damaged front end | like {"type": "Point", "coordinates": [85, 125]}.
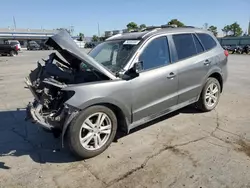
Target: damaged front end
{"type": "Point", "coordinates": [48, 82]}
{"type": "Point", "coordinates": [48, 108]}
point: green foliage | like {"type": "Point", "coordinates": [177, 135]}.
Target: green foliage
{"type": "Point", "coordinates": [213, 29]}
{"type": "Point", "coordinates": [81, 36]}
{"type": "Point", "coordinates": [132, 25]}
{"type": "Point", "coordinates": [95, 38]}
{"type": "Point", "coordinates": [233, 30]}
{"type": "Point", "coordinates": [236, 29]}
{"type": "Point", "coordinates": [142, 26]}
{"type": "Point", "coordinates": [226, 29]}
{"type": "Point", "coordinates": [176, 22]}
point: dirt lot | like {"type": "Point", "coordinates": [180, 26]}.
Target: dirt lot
{"type": "Point", "coordinates": [183, 149]}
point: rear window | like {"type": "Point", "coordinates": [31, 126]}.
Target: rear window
{"type": "Point", "coordinates": [13, 43]}
{"type": "Point", "coordinates": [207, 41]}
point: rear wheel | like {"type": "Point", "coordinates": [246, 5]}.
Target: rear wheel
{"type": "Point", "coordinates": [13, 53]}
{"type": "Point", "coordinates": [210, 95]}
{"type": "Point", "coordinates": [92, 131]}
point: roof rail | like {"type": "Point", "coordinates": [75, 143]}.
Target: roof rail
{"type": "Point", "coordinates": [119, 34]}
{"type": "Point", "coordinates": [187, 26]}
{"type": "Point", "coordinates": [169, 26]}
{"type": "Point", "coordinates": [150, 32]}
{"type": "Point", "coordinates": [149, 28]}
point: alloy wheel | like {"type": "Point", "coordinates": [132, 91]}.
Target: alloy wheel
{"type": "Point", "coordinates": [212, 94]}
{"type": "Point", "coordinates": [95, 131]}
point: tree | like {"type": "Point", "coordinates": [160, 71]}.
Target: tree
{"type": "Point", "coordinates": [81, 36]}
{"type": "Point", "coordinates": [233, 30]}
{"type": "Point", "coordinates": [213, 29]}
{"type": "Point", "coordinates": [131, 26]}
{"type": "Point", "coordinates": [95, 38]}
{"type": "Point", "coordinates": [142, 26]}
{"type": "Point", "coordinates": [176, 22]}
{"type": "Point", "coordinates": [226, 29]}
{"type": "Point", "coordinates": [236, 29]}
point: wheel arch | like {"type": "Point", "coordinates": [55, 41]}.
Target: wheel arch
{"type": "Point", "coordinates": [123, 116]}
{"type": "Point", "coordinates": [218, 77]}
{"type": "Point", "coordinates": [214, 74]}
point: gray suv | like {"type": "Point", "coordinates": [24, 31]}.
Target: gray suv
{"type": "Point", "coordinates": [124, 82]}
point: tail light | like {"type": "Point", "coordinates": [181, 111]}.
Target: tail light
{"type": "Point", "coordinates": [226, 53]}
{"type": "Point", "coordinates": [16, 48]}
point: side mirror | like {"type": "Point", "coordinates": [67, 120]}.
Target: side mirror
{"type": "Point", "coordinates": [133, 72]}
{"type": "Point", "coordinates": [138, 66]}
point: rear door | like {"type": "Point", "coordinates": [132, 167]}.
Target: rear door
{"type": "Point", "coordinates": [192, 67]}
{"type": "Point", "coordinates": [155, 89]}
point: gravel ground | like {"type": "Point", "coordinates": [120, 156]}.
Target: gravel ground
{"type": "Point", "coordinates": [183, 149]}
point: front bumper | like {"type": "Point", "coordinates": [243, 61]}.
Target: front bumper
{"type": "Point", "coordinates": [52, 121]}
{"type": "Point", "coordinates": [60, 122]}
{"type": "Point", "coordinates": [33, 114]}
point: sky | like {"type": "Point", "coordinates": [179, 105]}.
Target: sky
{"type": "Point", "coordinates": [85, 15]}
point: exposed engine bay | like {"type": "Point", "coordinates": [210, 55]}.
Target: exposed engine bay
{"type": "Point", "coordinates": [46, 83]}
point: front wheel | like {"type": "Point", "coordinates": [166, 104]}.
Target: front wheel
{"type": "Point", "coordinates": [92, 131]}
{"type": "Point", "coordinates": [210, 95]}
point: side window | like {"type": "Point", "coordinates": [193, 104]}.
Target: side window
{"type": "Point", "coordinates": [184, 45]}
{"type": "Point", "coordinates": [207, 41]}
{"type": "Point", "coordinates": [198, 45]}
{"type": "Point", "coordinates": [155, 54]}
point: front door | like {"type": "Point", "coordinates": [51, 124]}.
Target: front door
{"type": "Point", "coordinates": [155, 89]}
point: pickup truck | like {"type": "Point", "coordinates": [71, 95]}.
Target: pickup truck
{"type": "Point", "coordinates": [9, 49]}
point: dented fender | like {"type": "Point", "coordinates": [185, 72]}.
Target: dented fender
{"type": "Point", "coordinates": [72, 113]}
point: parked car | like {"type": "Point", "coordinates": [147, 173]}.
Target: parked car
{"type": "Point", "coordinates": [8, 49]}
{"type": "Point", "coordinates": [245, 49]}
{"type": "Point", "coordinates": [33, 45]}
{"type": "Point", "coordinates": [44, 46]}
{"type": "Point", "coordinates": [236, 49]}
{"type": "Point", "coordinates": [14, 42]}
{"type": "Point", "coordinates": [124, 82]}
{"type": "Point", "coordinates": [91, 44]}
{"type": "Point", "coordinates": [228, 48]}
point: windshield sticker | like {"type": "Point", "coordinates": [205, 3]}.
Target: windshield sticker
{"type": "Point", "coordinates": [132, 42]}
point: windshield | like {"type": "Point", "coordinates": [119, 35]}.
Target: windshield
{"type": "Point", "coordinates": [114, 55]}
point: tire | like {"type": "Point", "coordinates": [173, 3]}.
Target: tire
{"type": "Point", "coordinates": [75, 131]}
{"type": "Point", "coordinates": [203, 103]}
{"type": "Point", "coordinates": [12, 53]}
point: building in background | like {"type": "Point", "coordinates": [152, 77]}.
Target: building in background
{"type": "Point", "coordinates": [25, 35]}
{"type": "Point", "coordinates": [108, 33]}
{"type": "Point", "coordinates": [114, 32]}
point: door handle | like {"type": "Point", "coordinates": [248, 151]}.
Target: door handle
{"type": "Point", "coordinates": [207, 62]}
{"type": "Point", "coordinates": [171, 75]}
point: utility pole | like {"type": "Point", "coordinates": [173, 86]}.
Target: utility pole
{"type": "Point", "coordinates": [71, 30]}
{"type": "Point", "coordinates": [206, 26]}
{"type": "Point", "coordinates": [14, 20]}
{"type": "Point", "coordinates": [249, 27]}
{"type": "Point", "coordinates": [98, 29]}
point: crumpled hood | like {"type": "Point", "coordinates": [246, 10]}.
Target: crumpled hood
{"type": "Point", "coordinates": [66, 46]}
